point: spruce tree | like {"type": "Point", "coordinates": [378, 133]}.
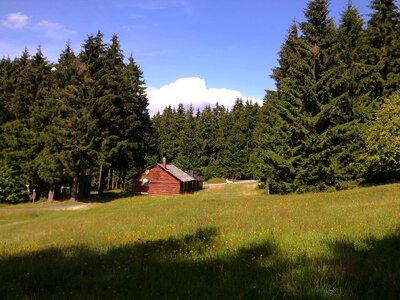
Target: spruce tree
{"type": "Point", "coordinates": [272, 160]}
{"type": "Point", "coordinates": [6, 89]}
{"type": "Point", "coordinates": [239, 143]}
{"type": "Point", "coordinates": [21, 143]}
{"type": "Point", "coordinates": [187, 147]}
{"type": "Point", "coordinates": [282, 124]}
{"type": "Point", "coordinates": [349, 107]}
{"type": "Point", "coordinates": [318, 38]}
{"type": "Point", "coordinates": [382, 48]}
{"type": "Point", "coordinates": [93, 56]}
{"type": "Point", "coordinates": [69, 143]}
{"type": "Point", "coordinates": [167, 132]}
{"type": "Point", "coordinates": [222, 133]}
{"type": "Point", "coordinates": [205, 130]}
{"type": "Point", "coordinates": [138, 146]}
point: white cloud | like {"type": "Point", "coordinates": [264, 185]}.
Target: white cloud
{"type": "Point", "coordinates": [15, 20]}
{"type": "Point", "coordinates": [54, 30]}
{"type": "Point", "coordinates": [191, 91]}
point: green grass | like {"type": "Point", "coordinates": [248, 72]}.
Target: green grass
{"type": "Point", "coordinates": [225, 242]}
{"type": "Point", "coordinates": [215, 180]}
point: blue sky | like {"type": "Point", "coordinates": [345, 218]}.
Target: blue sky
{"type": "Point", "coordinates": [189, 50]}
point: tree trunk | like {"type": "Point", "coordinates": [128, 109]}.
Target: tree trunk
{"type": "Point", "coordinates": [50, 196]}
{"type": "Point", "coordinates": [109, 179]}
{"type": "Point", "coordinates": [100, 189]}
{"type": "Point", "coordinates": [267, 186]}
{"type": "Point", "coordinates": [123, 175]}
{"type": "Point", "coordinates": [119, 180]}
{"type": "Point", "coordinates": [114, 183]}
{"type": "Point", "coordinates": [74, 188]}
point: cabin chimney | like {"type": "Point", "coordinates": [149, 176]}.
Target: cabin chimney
{"type": "Point", "coordinates": [164, 162]}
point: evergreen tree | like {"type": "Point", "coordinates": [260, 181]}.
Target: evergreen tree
{"type": "Point", "coordinates": [205, 130]}
{"type": "Point", "coordinates": [222, 133]}
{"type": "Point", "coordinates": [93, 56]}
{"type": "Point", "coordinates": [138, 146]}
{"type": "Point", "coordinates": [240, 139]}
{"type": "Point", "coordinates": [167, 131]}
{"type": "Point", "coordinates": [188, 147]}
{"type": "Point", "coordinates": [6, 89]}
{"type": "Point", "coordinates": [11, 187]}
{"type": "Point", "coordinates": [349, 106]}
{"type": "Point", "coordinates": [382, 51]}
{"type": "Point", "coordinates": [382, 139]}
{"type": "Point", "coordinates": [272, 158]}
{"type": "Point", "coordinates": [69, 142]}
{"type": "Point", "coordinates": [281, 127]}
{"type": "Point", "coordinates": [31, 81]}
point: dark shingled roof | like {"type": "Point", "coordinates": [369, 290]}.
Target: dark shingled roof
{"type": "Point", "coordinates": [178, 173]}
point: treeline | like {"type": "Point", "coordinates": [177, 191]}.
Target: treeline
{"type": "Point", "coordinates": [332, 122]}
{"type": "Point", "coordinates": [214, 142]}
{"type": "Point", "coordinates": [312, 133]}
{"type": "Point", "coordinates": [85, 114]}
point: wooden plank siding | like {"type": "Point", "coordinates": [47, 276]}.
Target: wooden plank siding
{"type": "Point", "coordinates": [160, 182]}
{"type": "Point", "coordinates": [166, 179]}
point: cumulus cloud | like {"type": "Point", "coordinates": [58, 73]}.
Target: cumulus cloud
{"type": "Point", "coordinates": [15, 20]}
{"type": "Point", "coordinates": [191, 91]}
{"type": "Point", "coordinates": [54, 30]}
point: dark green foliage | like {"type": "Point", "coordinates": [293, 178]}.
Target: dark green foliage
{"type": "Point", "coordinates": [124, 141]}
{"type": "Point", "coordinates": [382, 47]}
{"type": "Point", "coordinates": [271, 158]}
{"type": "Point", "coordinates": [383, 143]}
{"type": "Point", "coordinates": [167, 131]}
{"type": "Point", "coordinates": [28, 83]}
{"type": "Point", "coordinates": [310, 134]}
{"type": "Point", "coordinates": [239, 142]}
{"type": "Point", "coordinates": [12, 189]}
{"type": "Point", "coordinates": [68, 123]}
{"type": "Point", "coordinates": [186, 158]}
{"type": "Point", "coordinates": [349, 106]}
{"type": "Point", "coordinates": [64, 120]}
{"type": "Point", "coordinates": [214, 142]}
{"type": "Point", "coordinates": [329, 83]}
{"type": "Point", "coordinates": [205, 135]}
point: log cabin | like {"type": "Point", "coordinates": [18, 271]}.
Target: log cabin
{"type": "Point", "coordinates": [165, 179]}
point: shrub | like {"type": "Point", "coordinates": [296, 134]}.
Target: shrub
{"type": "Point", "coordinates": [12, 188]}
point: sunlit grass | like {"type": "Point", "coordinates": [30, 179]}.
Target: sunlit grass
{"type": "Point", "coordinates": [232, 239]}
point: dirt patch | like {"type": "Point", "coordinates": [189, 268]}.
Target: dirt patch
{"type": "Point", "coordinates": [72, 207]}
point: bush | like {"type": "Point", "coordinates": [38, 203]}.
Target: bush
{"type": "Point", "coordinates": [12, 189]}
{"type": "Point", "coordinates": [382, 139]}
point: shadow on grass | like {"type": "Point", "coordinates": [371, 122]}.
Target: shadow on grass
{"type": "Point", "coordinates": [163, 269]}
{"type": "Point", "coordinates": [369, 269]}
{"type": "Point", "coordinates": [191, 268]}
{"type": "Point", "coordinates": [106, 197]}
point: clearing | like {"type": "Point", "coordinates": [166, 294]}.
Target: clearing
{"type": "Point", "coordinates": [225, 242]}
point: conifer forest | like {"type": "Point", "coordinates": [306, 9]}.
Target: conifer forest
{"type": "Point", "coordinates": [333, 121]}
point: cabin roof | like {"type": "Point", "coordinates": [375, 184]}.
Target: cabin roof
{"type": "Point", "coordinates": [197, 177]}
{"type": "Point", "coordinates": [177, 173]}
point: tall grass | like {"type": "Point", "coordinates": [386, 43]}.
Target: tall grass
{"type": "Point", "coordinates": [226, 242]}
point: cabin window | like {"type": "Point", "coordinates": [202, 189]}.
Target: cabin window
{"type": "Point", "coordinates": [145, 182]}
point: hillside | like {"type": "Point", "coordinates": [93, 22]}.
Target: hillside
{"type": "Point", "coordinates": [225, 242]}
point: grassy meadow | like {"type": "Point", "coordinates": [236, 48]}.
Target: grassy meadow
{"type": "Point", "coordinates": [225, 242]}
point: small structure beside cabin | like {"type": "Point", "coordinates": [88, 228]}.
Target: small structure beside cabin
{"type": "Point", "coordinates": [165, 179]}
